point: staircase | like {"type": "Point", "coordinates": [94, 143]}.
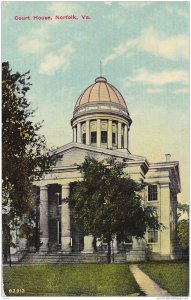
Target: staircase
{"type": "Point", "coordinates": [63, 258]}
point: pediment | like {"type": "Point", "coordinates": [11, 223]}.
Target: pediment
{"type": "Point", "coordinates": [74, 153]}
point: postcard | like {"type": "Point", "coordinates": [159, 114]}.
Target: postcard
{"type": "Point", "coordinates": [95, 148]}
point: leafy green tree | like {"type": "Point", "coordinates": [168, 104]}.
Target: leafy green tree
{"type": "Point", "coordinates": [25, 156]}
{"type": "Point", "coordinates": [183, 227]}
{"type": "Point", "coordinates": [107, 203]}
{"type": "Point", "coordinates": [183, 209]}
{"type": "Point", "coordinates": [183, 234]}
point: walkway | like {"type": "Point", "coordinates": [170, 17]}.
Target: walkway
{"type": "Point", "coordinates": [147, 285]}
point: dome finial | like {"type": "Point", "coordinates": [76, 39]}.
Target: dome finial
{"type": "Point", "coordinates": [100, 68]}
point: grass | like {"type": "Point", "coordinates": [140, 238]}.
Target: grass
{"type": "Point", "coordinates": [172, 276]}
{"type": "Point", "coordinates": [69, 280]}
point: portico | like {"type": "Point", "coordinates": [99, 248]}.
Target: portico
{"type": "Point", "coordinates": [57, 231]}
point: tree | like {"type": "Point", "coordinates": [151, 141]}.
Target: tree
{"type": "Point", "coordinates": [107, 203]}
{"type": "Point", "coordinates": [25, 156]}
{"type": "Point", "coordinates": [183, 228]}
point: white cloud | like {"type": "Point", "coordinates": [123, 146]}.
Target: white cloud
{"type": "Point", "coordinates": [37, 40]}
{"type": "Point", "coordinates": [32, 45]}
{"type": "Point", "coordinates": [132, 4]}
{"type": "Point", "coordinates": [154, 90]}
{"type": "Point", "coordinates": [173, 47]}
{"type": "Point", "coordinates": [178, 11]}
{"type": "Point", "coordinates": [181, 91]}
{"type": "Point", "coordinates": [160, 78]}
{"type": "Point", "coordinates": [53, 61]}
{"type": "Point", "coordinates": [64, 8]}
{"type": "Point", "coordinates": [123, 48]}
{"type": "Point", "coordinates": [150, 41]}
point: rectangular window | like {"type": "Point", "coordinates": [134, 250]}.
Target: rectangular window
{"type": "Point", "coordinates": [59, 232]}
{"type": "Point", "coordinates": [84, 138]}
{"type": "Point", "coordinates": [103, 137]}
{"type": "Point", "coordinates": [122, 141]}
{"type": "Point", "coordinates": [152, 236]}
{"type": "Point", "coordinates": [152, 193]}
{"type": "Point", "coordinates": [113, 138]}
{"type": "Point", "coordinates": [93, 137]}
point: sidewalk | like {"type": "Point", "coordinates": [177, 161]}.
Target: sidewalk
{"type": "Point", "coordinates": [147, 285]}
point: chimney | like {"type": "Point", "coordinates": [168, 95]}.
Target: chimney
{"type": "Point", "coordinates": [168, 156]}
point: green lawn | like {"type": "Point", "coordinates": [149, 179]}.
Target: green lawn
{"type": "Point", "coordinates": [172, 276]}
{"type": "Point", "coordinates": [70, 280]}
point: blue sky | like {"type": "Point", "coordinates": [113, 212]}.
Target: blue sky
{"type": "Point", "coordinates": [144, 48]}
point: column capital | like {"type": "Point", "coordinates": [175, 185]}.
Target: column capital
{"type": "Point", "coordinates": [43, 187]}
{"type": "Point", "coordinates": [164, 185]}
{"type": "Point", "coordinates": [65, 186]}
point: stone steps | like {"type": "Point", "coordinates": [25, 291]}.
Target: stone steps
{"type": "Point", "coordinates": [41, 258]}
{"type": "Point", "coordinates": [53, 258]}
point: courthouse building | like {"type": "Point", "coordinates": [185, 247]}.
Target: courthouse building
{"type": "Point", "coordinates": [101, 128]}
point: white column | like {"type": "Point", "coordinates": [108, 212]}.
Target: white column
{"type": "Point", "coordinates": [119, 135]}
{"type": "Point", "coordinates": [79, 134]}
{"type": "Point", "coordinates": [165, 218]}
{"type": "Point", "coordinates": [44, 217]}
{"type": "Point", "coordinates": [125, 136]}
{"type": "Point", "coordinates": [114, 244]}
{"type": "Point", "coordinates": [109, 134]}
{"type": "Point", "coordinates": [98, 133]}
{"type": "Point", "coordinates": [138, 244]}
{"type": "Point", "coordinates": [74, 134]}
{"type": "Point", "coordinates": [87, 132]}
{"type": "Point", "coordinates": [88, 244]}
{"type": "Point", "coordinates": [128, 137]}
{"type": "Point", "coordinates": [65, 220]}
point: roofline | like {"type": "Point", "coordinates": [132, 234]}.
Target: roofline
{"type": "Point", "coordinates": [116, 153]}
{"type": "Point", "coordinates": [170, 164]}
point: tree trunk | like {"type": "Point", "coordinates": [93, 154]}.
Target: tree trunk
{"type": "Point", "coordinates": [109, 252]}
{"type": "Point", "coordinates": [9, 255]}
{"type": "Point", "coordinates": [37, 242]}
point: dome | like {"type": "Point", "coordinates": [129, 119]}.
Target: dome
{"type": "Point", "coordinates": [101, 118]}
{"type": "Point", "coordinates": [101, 92]}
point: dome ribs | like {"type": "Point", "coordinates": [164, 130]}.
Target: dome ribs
{"type": "Point", "coordinates": [79, 99]}
{"type": "Point", "coordinates": [104, 97]}
{"type": "Point", "coordinates": [118, 95]}
{"type": "Point", "coordinates": [108, 92]}
{"type": "Point", "coordinates": [90, 93]}
{"type": "Point", "coordinates": [101, 92]}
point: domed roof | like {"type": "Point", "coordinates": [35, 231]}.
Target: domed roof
{"type": "Point", "coordinates": [101, 91]}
